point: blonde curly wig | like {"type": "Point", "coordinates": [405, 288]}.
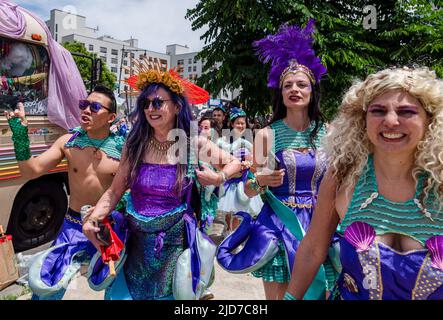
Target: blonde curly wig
{"type": "Point", "coordinates": [348, 146]}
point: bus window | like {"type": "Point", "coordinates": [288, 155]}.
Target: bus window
{"type": "Point", "coordinates": [24, 71]}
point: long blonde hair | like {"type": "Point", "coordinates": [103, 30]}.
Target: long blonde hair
{"type": "Point", "coordinates": [347, 145]}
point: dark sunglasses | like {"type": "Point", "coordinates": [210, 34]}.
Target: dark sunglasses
{"type": "Point", "coordinates": [95, 106]}
{"type": "Point", "coordinates": [157, 103]}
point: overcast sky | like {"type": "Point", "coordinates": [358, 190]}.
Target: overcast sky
{"type": "Point", "coordinates": [155, 23]}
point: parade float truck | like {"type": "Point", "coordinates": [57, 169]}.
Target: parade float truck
{"type": "Point", "coordinates": [32, 210]}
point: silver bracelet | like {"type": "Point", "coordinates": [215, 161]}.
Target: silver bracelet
{"type": "Point", "coordinates": [224, 176]}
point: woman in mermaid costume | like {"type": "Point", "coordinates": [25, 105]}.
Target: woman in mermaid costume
{"type": "Point", "coordinates": [232, 195]}
{"type": "Point", "coordinates": [385, 189]}
{"type": "Point", "coordinates": [158, 216]}
{"type": "Point", "coordinates": [290, 187]}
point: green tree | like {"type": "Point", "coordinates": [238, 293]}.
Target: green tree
{"type": "Point", "coordinates": [405, 30]}
{"type": "Point", "coordinates": [84, 65]}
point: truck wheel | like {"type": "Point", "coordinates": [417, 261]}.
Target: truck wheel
{"type": "Point", "coordinates": [37, 213]}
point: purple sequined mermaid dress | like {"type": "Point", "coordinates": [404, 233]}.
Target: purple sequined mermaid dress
{"type": "Point", "coordinates": [304, 172]}
{"type": "Point", "coordinates": [156, 227]}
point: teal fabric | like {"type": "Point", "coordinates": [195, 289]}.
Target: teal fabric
{"type": "Point", "coordinates": [276, 270]}
{"type": "Point", "coordinates": [317, 289]}
{"type": "Point", "coordinates": [208, 208]}
{"type": "Point", "coordinates": [288, 138]}
{"type": "Point", "coordinates": [289, 296]}
{"type": "Point", "coordinates": [112, 145]}
{"type": "Point", "coordinates": [331, 275]}
{"type": "Point", "coordinates": [387, 216]}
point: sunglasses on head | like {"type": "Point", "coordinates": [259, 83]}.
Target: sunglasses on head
{"type": "Point", "coordinates": [94, 106]}
{"type": "Point", "coordinates": [157, 103]}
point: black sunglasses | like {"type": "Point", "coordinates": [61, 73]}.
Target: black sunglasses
{"type": "Point", "coordinates": [157, 103]}
{"type": "Point", "coordinates": [95, 106]}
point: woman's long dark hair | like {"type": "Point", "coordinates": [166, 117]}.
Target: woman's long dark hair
{"type": "Point", "coordinates": [138, 138]}
{"type": "Point", "coordinates": [314, 112]}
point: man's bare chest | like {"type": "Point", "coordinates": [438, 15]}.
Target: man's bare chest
{"type": "Point", "coordinates": [88, 161]}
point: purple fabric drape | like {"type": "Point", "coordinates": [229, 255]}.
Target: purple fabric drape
{"type": "Point", "coordinates": [12, 22]}
{"type": "Point", "coordinates": [66, 86]}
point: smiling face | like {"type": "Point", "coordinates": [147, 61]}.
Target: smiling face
{"type": "Point", "coordinates": [396, 122]}
{"type": "Point", "coordinates": [239, 124]}
{"type": "Point", "coordinates": [163, 117]}
{"type": "Point", "coordinates": [296, 90]}
{"type": "Point", "coordinates": [95, 121]}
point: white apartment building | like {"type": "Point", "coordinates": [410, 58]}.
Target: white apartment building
{"type": "Point", "coordinates": [190, 67]}
{"type": "Point", "coordinates": [68, 27]}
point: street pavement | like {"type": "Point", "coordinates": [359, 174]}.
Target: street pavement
{"type": "Point", "coordinates": [226, 286]}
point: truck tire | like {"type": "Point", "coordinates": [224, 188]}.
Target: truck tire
{"type": "Point", "coordinates": [37, 213]}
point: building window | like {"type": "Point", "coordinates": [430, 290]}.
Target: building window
{"type": "Point", "coordinates": [125, 62]}
{"type": "Point", "coordinates": [190, 60]}
{"type": "Point", "coordinates": [194, 69]}
{"type": "Point", "coordinates": [103, 49]}
{"type": "Point", "coordinates": [189, 69]}
{"type": "Point", "coordinates": [114, 52]}
{"type": "Point", "coordinates": [132, 55]}
{"type": "Point", "coordinates": [103, 59]}
{"type": "Point", "coordinates": [195, 60]}
{"type": "Point", "coordinates": [126, 54]}
{"type": "Point", "coordinates": [114, 60]}
{"type": "Point", "coordinates": [56, 37]}
{"type": "Point", "coordinates": [91, 47]}
{"type": "Point", "coordinates": [114, 69]}
{"type": "Point", "coordinates": [180, 62]}
{"type": "Point", "coordinates": [126, 71]}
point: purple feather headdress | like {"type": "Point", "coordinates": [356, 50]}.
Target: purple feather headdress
{"type": "Point", "coordinates": [290, 51]}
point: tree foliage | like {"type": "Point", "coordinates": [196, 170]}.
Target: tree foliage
{"type": "Point", "coordinates": [406, 30]}
{"type": "Point", "coordinates": [84, 65]}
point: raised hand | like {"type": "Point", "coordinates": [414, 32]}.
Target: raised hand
{"type": "Point", "coordinates": [19, 112]}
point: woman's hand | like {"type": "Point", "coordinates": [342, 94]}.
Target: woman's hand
{"type": "Point", "coordinates": [273, 179]}
{"type": "Point", "coordinates": [90, 228]}
{"type": "Point", "coordinates": [207, 176]}
{"type": "Point", "coordinates": [19, 112]}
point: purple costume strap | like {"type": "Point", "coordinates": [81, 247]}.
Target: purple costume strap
{"type": "Point", "coordinates": [191, 227]}
{"type": "Point", "coordinates": [243, 179]}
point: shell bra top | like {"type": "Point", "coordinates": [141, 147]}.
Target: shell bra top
{"type": "Point", "coordinates": [304, 170]}
{"type": "Point", "coordinates": [388, 216]}
{"type": "Point", "coordinates": [373, 270]}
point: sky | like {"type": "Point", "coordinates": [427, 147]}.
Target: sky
{"type": "Point", "coordinates": [155, 23]}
